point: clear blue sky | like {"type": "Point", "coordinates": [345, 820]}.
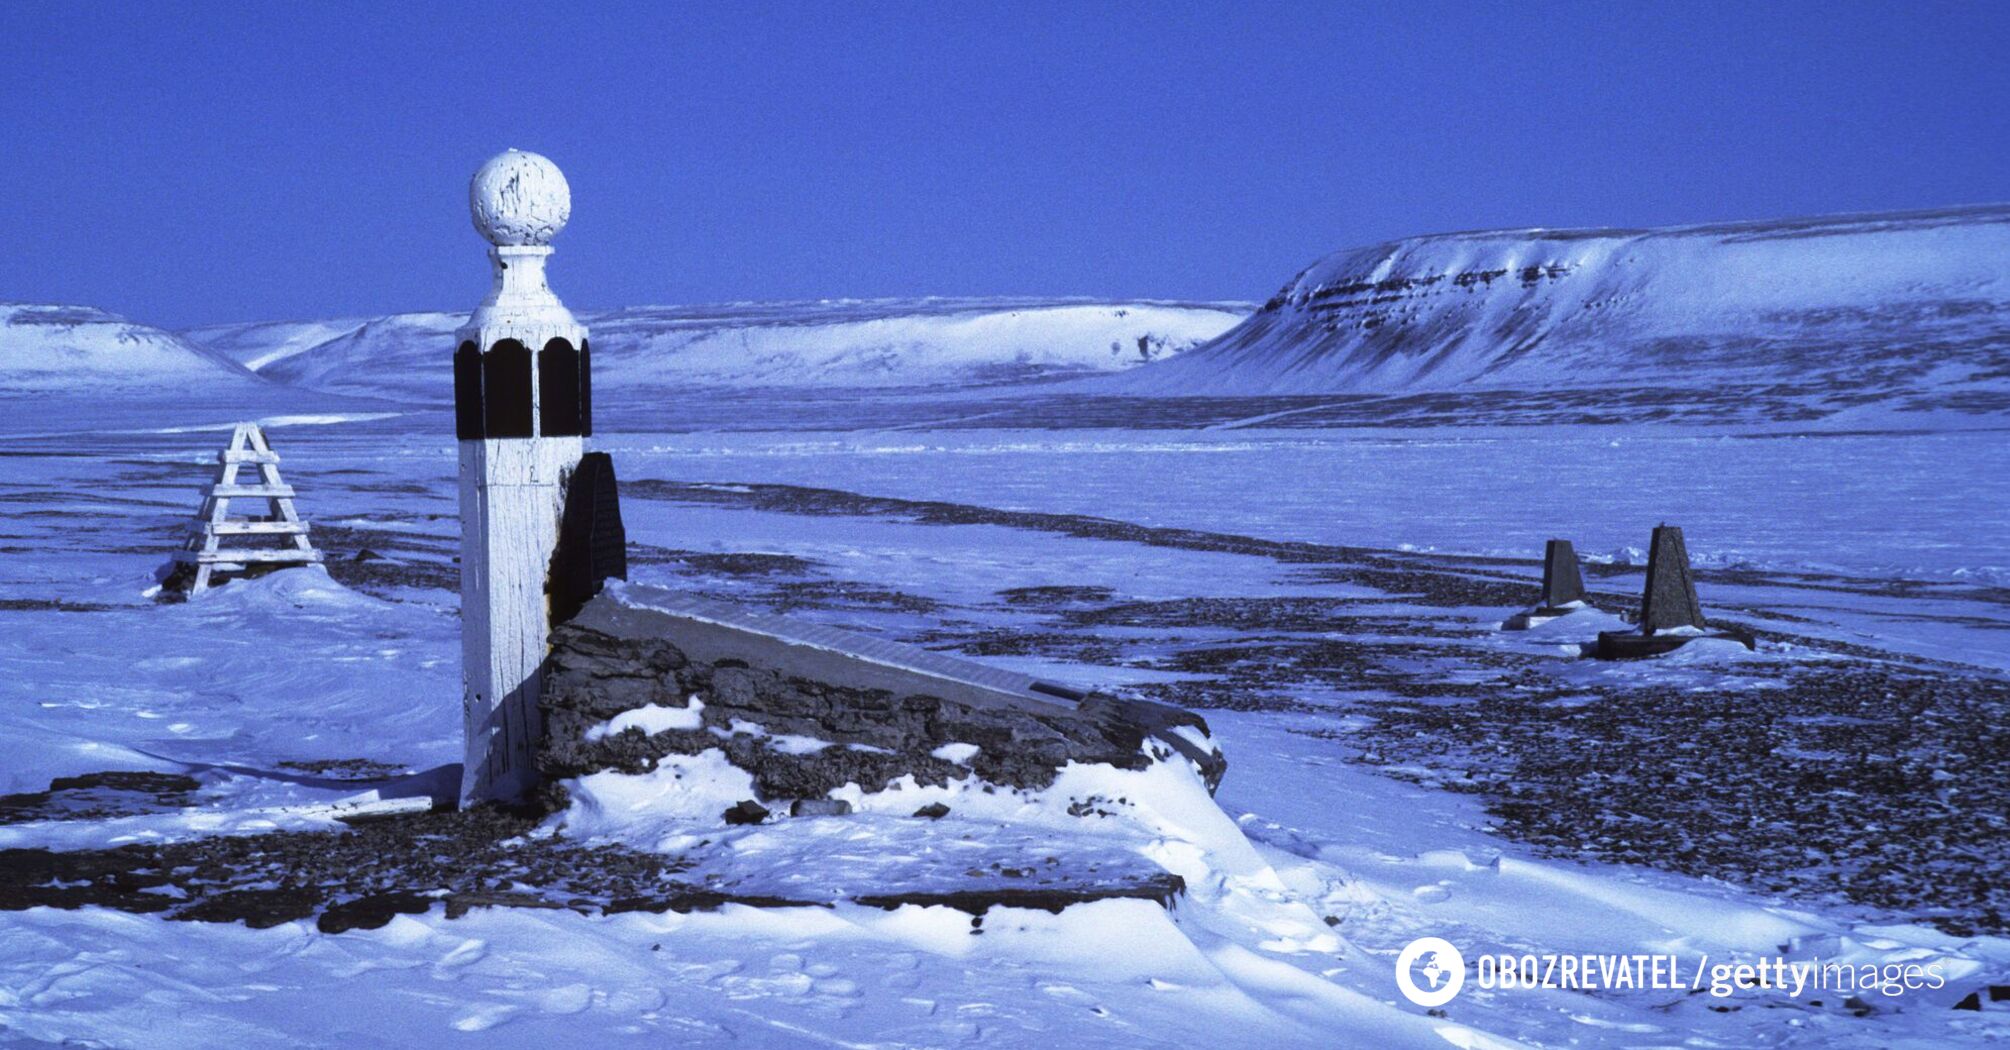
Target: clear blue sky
{"type": "Point", "coordinates": [185, 164]}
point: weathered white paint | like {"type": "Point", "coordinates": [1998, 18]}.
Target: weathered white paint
{"type": "Point", "coordinates": [512, 489]}
{"type": "Point", "coordinates": [205, 549]}
{"type": "Point", "coordinates": [519, 198]}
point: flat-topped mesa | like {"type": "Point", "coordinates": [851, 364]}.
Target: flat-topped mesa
{"type": "Point", "coordinates": [1671, 615]}
{"type": "Point", "coordinates": [1562, 588]}
{"type": "Point", "coordinates": [806, 709]}
{"type": "Point", "coordinates": [522, 407]}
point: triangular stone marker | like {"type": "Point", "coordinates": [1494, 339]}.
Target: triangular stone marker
{"type": "Point", "coordinates": [1671, 615]}
{"type": "Point", "coordinates": [1562, 583]}
{"type": "Point", "coordinates": [1670, 601]}
{"type": "Point", "coordinates": [205, 554]}
{"type": "Point", "coordinates": [1562, 588]}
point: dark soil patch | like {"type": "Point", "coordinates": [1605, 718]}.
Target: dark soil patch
{"type": "Point", "coordinates": [1863, 784]}
{"type": "Point", "coordinates": [346, 768]}
{"type": "Point", "coordinates": [100, 796]}
{"type": "Point", "coordinates": [364, 877]}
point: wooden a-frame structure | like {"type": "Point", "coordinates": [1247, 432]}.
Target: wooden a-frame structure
{"type": "Point", "coordinates": [205, 551]}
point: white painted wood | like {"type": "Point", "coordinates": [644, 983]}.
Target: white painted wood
{"type": "Point", "coordinates": [511, 489]}
{"type": "Point", "coordinates": [205, 549]}
{"type": "Point", "coordinates": [249, 555]}
{"type": "Point", "coordinates": [242, 528]}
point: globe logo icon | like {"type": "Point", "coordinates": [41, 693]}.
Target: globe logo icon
{"type": "Point", "coordinates": [1430, 971]}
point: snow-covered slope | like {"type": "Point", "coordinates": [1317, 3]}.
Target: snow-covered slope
{"type": "Point", "coordinates": [47, 349]}
{"type": "Point", "coordinates": [1861, 305]}
{"type": "Point", "coordinates": [260, 345]}
{"type": "Point", "coordinates": [848, 343]}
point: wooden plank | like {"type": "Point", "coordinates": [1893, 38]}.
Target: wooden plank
{"type": "Point", "coordinates": [237, 456]}
{"type": "Point", "coordinates": [262, 528]}
{"type": "Point", "coordinates": [266, 491]}
{"type": "Point", "coordinates": [217, 556]}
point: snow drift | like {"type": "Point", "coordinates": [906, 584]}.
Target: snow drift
{"type": "Point", "coordinates": [1858, 305]}
{"type": "Point", "coordinates": [843, 343]}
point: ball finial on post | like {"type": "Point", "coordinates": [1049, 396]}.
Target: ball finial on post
{"type": "Point", "coordinates": [519, 199]}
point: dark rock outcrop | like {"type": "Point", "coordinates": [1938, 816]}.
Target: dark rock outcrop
{"type": "Point", "coordinates": [884, 709]}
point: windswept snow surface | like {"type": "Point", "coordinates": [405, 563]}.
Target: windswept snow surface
{"type": "Point", "coordinates": [840, 343]}
{"type": "Point", "coordinates": [1862, 307]}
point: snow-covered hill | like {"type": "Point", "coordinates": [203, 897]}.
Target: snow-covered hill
{"type": "Point", "coordinates": [847, 343]}
{"type": "Point", "coordinates": [1858, 306]}
{"type": "Point", "coordinates": [51, 349]}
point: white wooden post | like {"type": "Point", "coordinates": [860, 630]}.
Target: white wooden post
{"type": "Point", "coordinates": [518, 443]}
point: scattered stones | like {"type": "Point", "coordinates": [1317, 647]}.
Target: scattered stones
{"type": "Point", "coordinates": [819, 807]}
{"type": "Point", "coordinates": [1775, 787]}
{"type": "Point", "coordinates": [932, 811]}
{"type": "Point", "coordinates": [1164, 889]}
{"type": "Point", "coordinates": [883, 719]}
{"type": "Point", "coordinates": [346, 768]}
{"type": "Point", "coordinates": [357, 879]}
{"type": "Point", "coordinates": [370, 912]}
{"type": "Point", "coordinates": [100, 796]}
{"type": "Point", "coordinates": [745, 811]}
{"type": "Point", "coordinates": [484, 858]}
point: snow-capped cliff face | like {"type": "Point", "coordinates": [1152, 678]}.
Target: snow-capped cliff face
{"type": "Point", "coordinates": [1864, 305]}
{"type": "Point", "coordinates": [55, 349]}
{"type": "Point", "coordinates": [848, 343]}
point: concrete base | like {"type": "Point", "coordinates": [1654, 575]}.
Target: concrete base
{"type": "Point", "coordinates": [1540, 615]}
{"type": "Point", "coordinates": [1632, 645]}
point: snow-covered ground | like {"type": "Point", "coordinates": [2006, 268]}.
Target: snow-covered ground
{"type": "Point", "coordinates": [1324, 865]}
{"type": "Point", "coordinates": [1079, 490]}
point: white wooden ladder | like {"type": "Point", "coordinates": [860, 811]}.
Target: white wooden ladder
{"type": "Point", "coordinates": [205, 549]}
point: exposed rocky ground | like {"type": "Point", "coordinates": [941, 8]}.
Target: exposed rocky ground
{"type": "Point", "coordinates": [479, 858]}
{"type": "Point", "coordinates": [1853, 774]}
{"type": "Point", "coordinates": [1847, 772]}
{"type": "Point", "coordinates": [872, 723]}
